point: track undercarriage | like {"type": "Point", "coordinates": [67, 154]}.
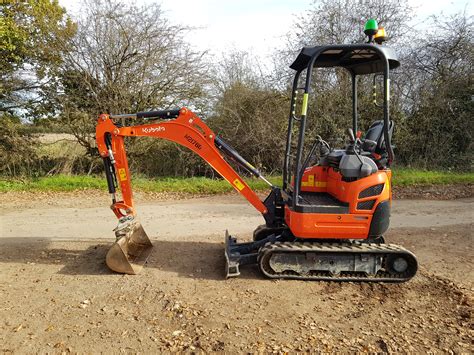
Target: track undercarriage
{"type": "Point", "coordinates": [348, 260]}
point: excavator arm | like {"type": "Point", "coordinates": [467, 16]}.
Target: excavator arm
{"type": "Point", "coordinates": [187, 130]}
{"type": "Point", "coordinates": [182, 126]}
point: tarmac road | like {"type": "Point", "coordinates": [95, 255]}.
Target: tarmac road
{"type": "Point", "coordinates": [192, 219]}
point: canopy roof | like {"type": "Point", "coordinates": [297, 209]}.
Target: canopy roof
{"type": "Point", "coordinates": [357, 58]}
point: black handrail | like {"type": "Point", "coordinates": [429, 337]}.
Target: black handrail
{"type": "Point", "coordinates": [291, 117]}
{"type": "Point", "coordinates": [309, 70]}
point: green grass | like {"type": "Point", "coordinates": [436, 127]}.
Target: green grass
{"type": "Point", "coordinates": [200, 185]}
{"type": "Point", "coordinates": [54, 183]}
{"type": "Point", "coordinates": [410, 177]}
{"type": "Point", "coordinates": [195, 185]}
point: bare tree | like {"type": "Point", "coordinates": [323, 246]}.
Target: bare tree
{"type": "Point", "coordinates": [438, 88]}
{"type": "Point", "coordinates": [248, 112]}
{"type": "Point", "coordinates": [126, 58]}
{"type": "Point", "coordinates": [340, 22]}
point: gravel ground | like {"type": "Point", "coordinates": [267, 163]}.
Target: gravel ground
{"type": "Point", "coordinates": [58, 296]}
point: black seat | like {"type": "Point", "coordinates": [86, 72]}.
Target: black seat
{"type": "Point", "coordinates": [333, 158]}
{"type": "Point", "coordinates": [373, 141]}
{"type": "Point", "coordinates": [373, 144]}
{"type": "Point", "coordinates": [373, 147]}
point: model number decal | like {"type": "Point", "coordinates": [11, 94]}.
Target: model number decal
{"type": "Point", "coordinates": [193, 141]}
{"type": "Point", "coordinates": [153, 129]}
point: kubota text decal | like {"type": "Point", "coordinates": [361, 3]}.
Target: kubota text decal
{"type": "Point", "coordinates": [153, 129]}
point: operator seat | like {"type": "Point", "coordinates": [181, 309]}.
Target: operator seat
{"type": "Point", "coordinates": [373, 144]}
{"type": "Point", "coordinates": [372, 153]}
{"type": "Point", "coordinates": [373, 141]}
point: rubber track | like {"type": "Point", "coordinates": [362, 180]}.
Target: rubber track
{"type": "Point", "coordinates": [354, 247]}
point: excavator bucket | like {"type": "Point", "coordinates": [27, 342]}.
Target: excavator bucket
{"type": "Point", "coordinates": [131, 248]}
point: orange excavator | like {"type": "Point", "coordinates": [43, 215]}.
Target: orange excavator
{"type": "Point", "coordinates": [326, 221]}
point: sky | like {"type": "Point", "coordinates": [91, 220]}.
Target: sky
{"type": "Point", "coordinates": [258, 26]}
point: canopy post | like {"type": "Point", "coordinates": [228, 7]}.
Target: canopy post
{"type": "Point", "coordinates": [354, 103]}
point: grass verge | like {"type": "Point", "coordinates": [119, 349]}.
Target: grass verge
{"type": "Point", "coordinates": [195, 185]}
{"type": "Point", "coordinates": [411, 177]}
{"type": "Point", "coordinates": [201, 185]}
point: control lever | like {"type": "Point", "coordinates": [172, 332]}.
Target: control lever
{"type": "Point", "coordinates": [365, 168]}
{"type": "Point", "coordinates": [350, 133]}
{"type": "Point", "coordinates": [324, 149]}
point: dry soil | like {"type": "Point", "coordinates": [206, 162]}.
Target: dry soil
{"type": "Point", "coordinates": [57, 294]}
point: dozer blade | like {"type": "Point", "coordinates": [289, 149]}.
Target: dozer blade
{"type": "Point", "coordinates": [237, 254]}
{"type": "Point", "coordinates": [131, 249]}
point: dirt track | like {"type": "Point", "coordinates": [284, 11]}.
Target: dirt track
{"type": "Point", "coordinates": [57, 294]}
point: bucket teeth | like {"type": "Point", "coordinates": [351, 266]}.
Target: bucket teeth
{"type": "Point", "coordinates": [131, 249]}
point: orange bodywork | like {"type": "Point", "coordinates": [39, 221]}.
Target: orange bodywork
{"type": "Point", "coordinates": [191, 132]}
{"type": "Point", "coordinates": [187, 130]}
{"type": "Point", "coordinates": [353, 225]}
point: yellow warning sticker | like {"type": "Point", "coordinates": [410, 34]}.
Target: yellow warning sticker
{"type": "Point", "coordinates": [122, 174]}
{"type": "Point", "coordinates": [304, 106]}
{"type": "Point", "coordinates": [312, 183]}
{"type": "Point", "coordinates": [238, 184]}
{"type": "Point", "coordinates": [309, 183]}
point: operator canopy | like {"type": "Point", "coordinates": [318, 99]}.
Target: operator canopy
{"type": "Point", "coordinates": [358, 59]}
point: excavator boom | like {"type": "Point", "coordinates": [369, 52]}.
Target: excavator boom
{"type": "Point", "coordinates": [182, 126]}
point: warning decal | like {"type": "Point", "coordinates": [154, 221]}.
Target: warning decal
{"type": "Point", "coordinates": [122, 174]}
{"type": "Point", "coordinates": [238, 184]}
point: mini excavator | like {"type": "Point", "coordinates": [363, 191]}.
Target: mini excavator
{"type": "Point", "coordinates": [326, 221]}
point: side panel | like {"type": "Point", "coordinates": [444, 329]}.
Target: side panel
{"type": "Point", "coordinates": [327, 226]}
{"type": "Point", "coordinates": [381, 219]}
{"type": "Point", "coordinates": [363, 196]}
{"type": "Point", "coordinates": [324, 179]}
{"type": "Point", "coordinates": [315, 179]}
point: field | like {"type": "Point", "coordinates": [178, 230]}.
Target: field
{"type": "Point", "coordinates": [58, 295]}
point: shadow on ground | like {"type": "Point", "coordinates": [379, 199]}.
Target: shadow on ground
{"type": "Point", "coordinates": [196, 260]}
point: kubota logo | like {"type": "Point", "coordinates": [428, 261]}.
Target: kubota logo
{"type": "Point", "coordinates": [193, 141]}
{"type": "Point", "coordinates": [153, 129]}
